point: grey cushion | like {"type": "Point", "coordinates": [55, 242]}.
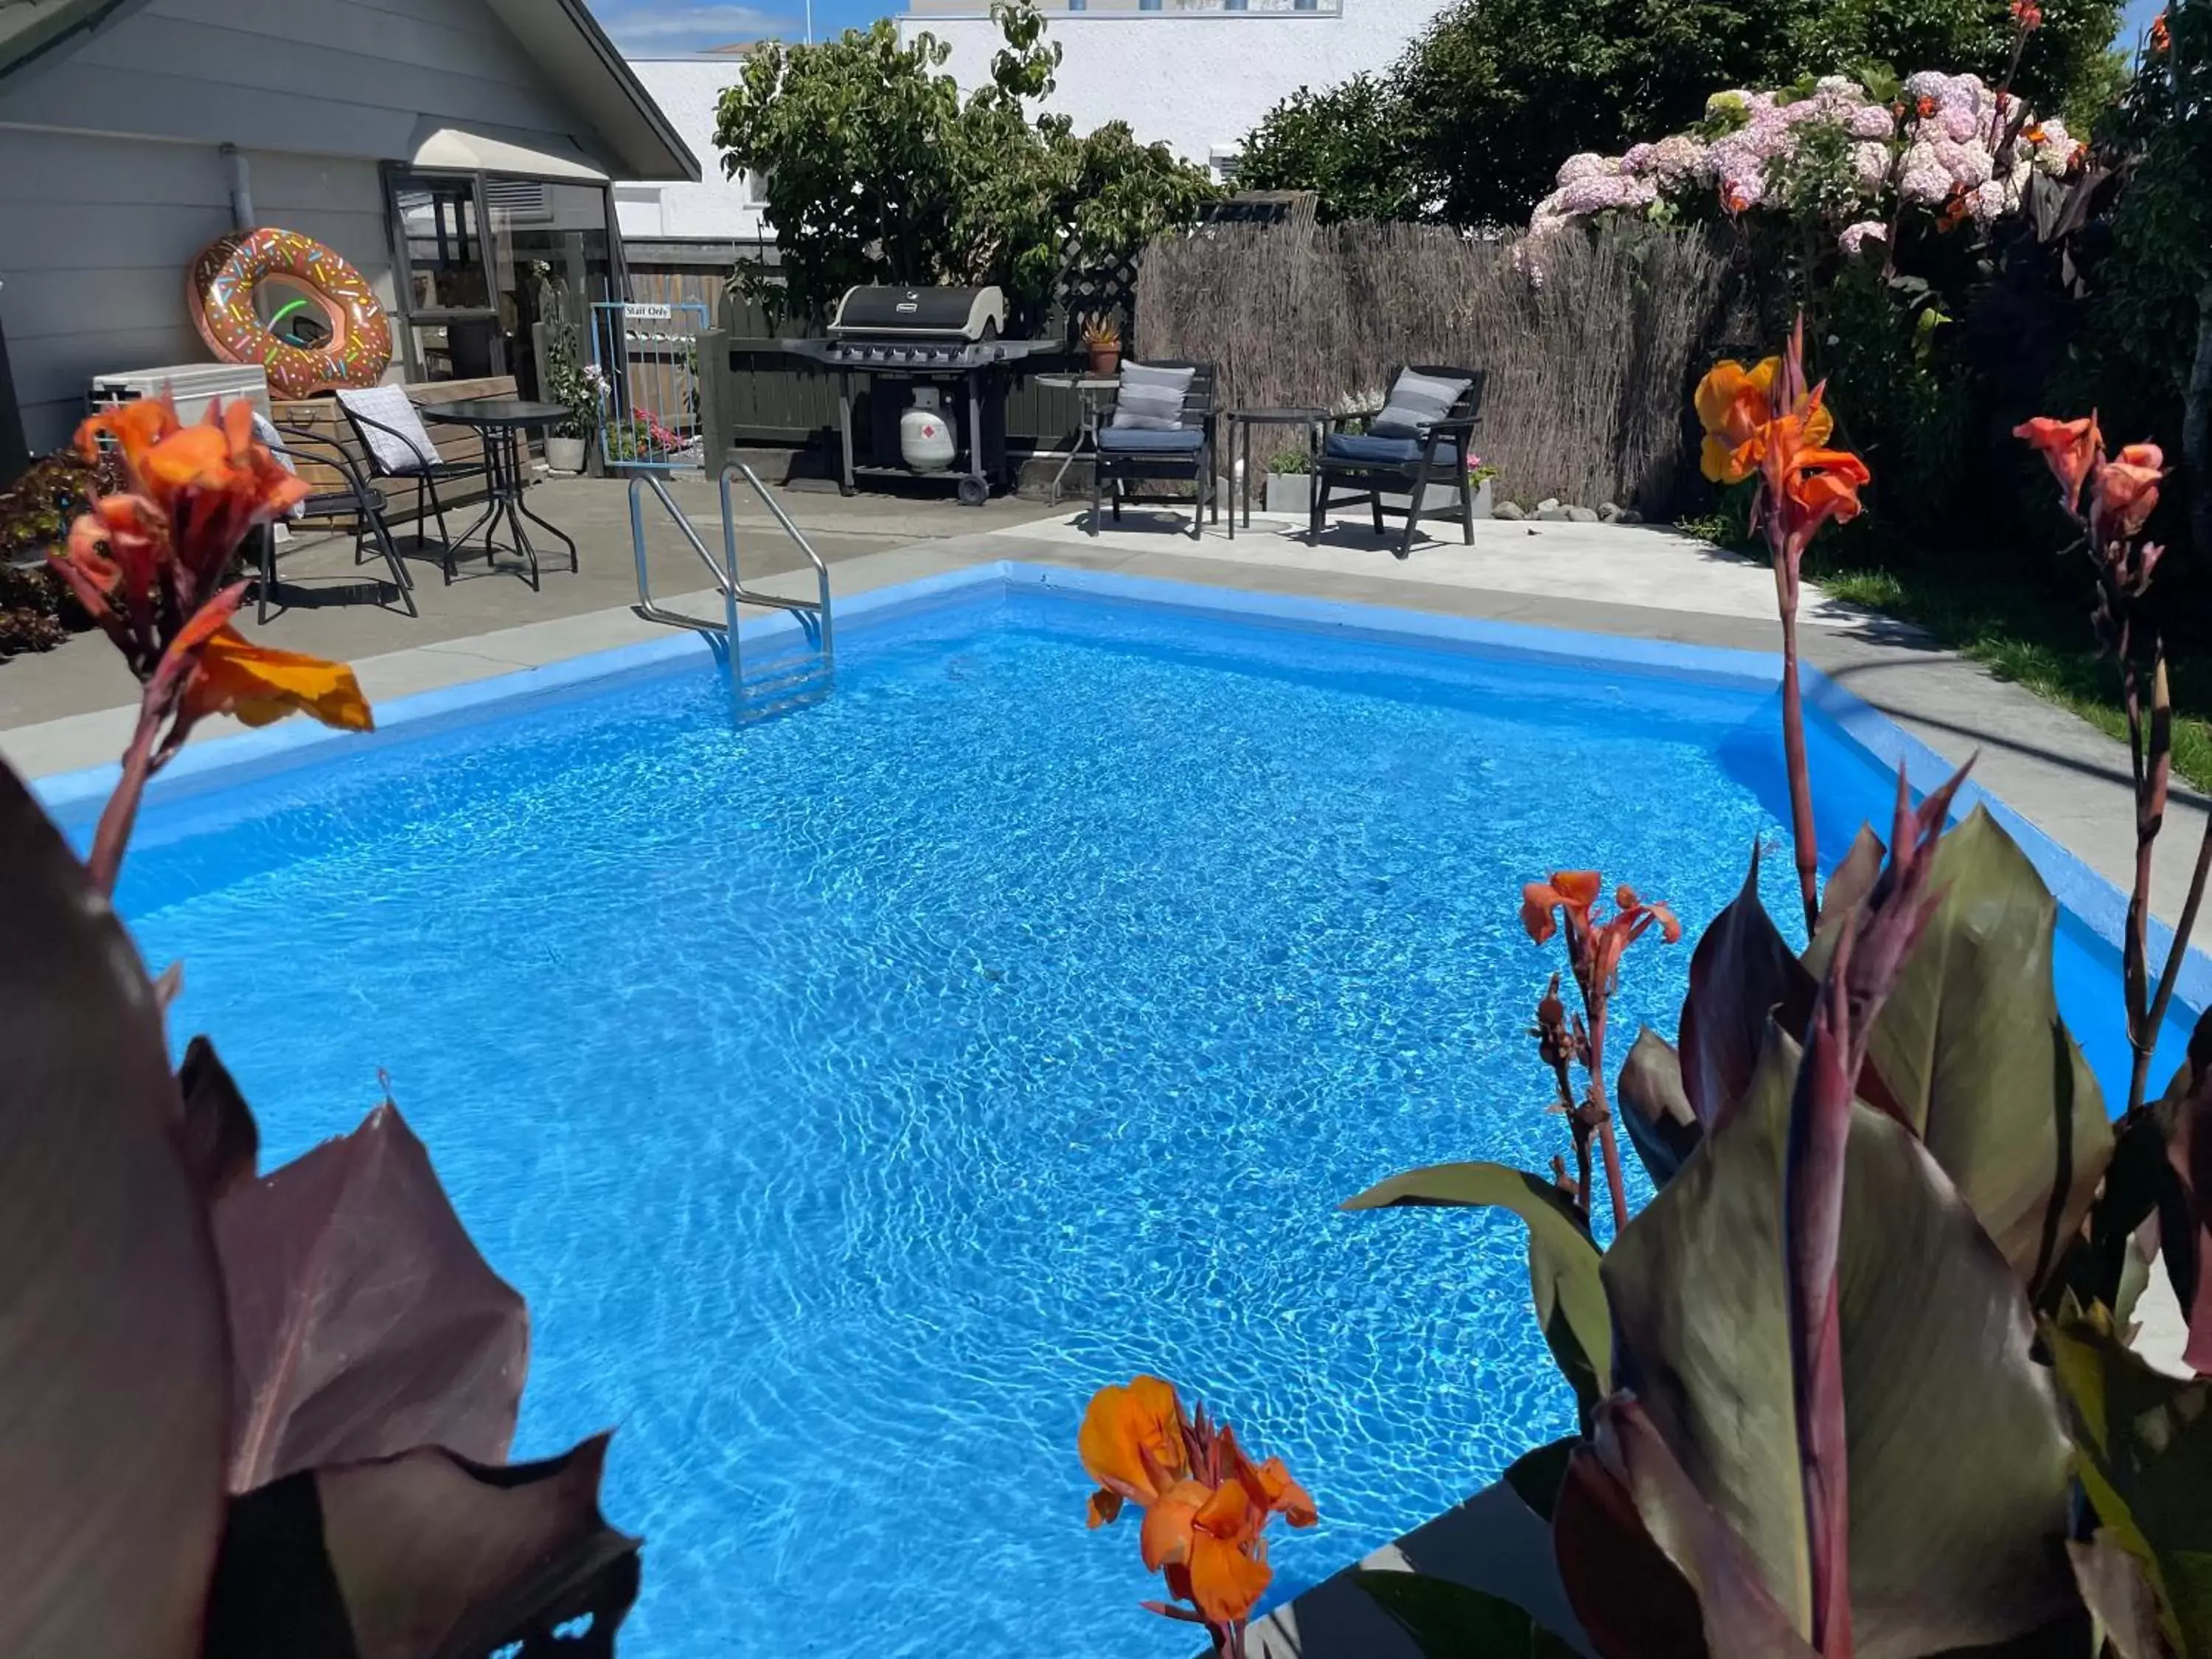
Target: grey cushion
{"type": "Point", "coordinates": [1376, 452]}
{"type": "Point", "coordinates": [1151, 399]}
{"type": "Point", "coordinates": [1416, 402]}
{"type": "Point", "coordinates": [1138, 440]}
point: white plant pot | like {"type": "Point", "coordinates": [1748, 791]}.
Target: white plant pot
{"type": "Point", "coordinates": [565, 454]}
{"type": "Point", "coordinates": [1289, 492]}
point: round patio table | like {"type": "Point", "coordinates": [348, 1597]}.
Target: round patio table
{"type": "Point", "coordinates": [1240, 422]}
{"type": "Point", "coordinates": [501, 422]}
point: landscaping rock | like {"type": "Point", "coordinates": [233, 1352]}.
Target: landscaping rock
{"type": "Point", "coordinates": [1509, 510]}
{"type": "Point", "coordinates": [1547, 503]}
{"type": "Point", "coordinates": [1630, 515]}
{"type": "Point", "coordinates": [1582, 514]}
{"type": "Point", "coordinates": [1609, 513]}
{"type": "Point", "coordinates": [1553, 513]}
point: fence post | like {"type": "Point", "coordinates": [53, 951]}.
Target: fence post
{"type": "Point", "coordinates": [715, 422]}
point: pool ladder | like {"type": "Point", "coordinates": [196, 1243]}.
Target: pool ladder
{"type": "Point", "coordinates": [788, 679]}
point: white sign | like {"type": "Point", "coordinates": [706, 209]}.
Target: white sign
{"type": "Point", "coordinates": [648, 314]}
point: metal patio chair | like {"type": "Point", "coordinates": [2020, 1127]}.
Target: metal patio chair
{"type": "Point", "coordinates": [352, 499]}
{"type": "Point", "coordinates": [1130, 455]}
{"type": "Point", "coordinates": [1411, 458]}
{"type": "Point", "coordinates": [395, 443]}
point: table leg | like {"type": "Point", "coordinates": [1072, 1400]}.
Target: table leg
{"type": "Point", "coordinates": [522, 506]}
{"type": "Point", "coordinates": [514, 514]}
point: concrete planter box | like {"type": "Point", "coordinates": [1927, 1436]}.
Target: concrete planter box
{"type": "Point", "coordinates": [1293, 492]}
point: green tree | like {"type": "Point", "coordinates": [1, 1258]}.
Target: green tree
{"type": "Point", "coordinates": [877, 170]}
{"type": "Point", "coordinates": [1472, 124]}
{"type": "Point", "coordinates": [1351, 143]}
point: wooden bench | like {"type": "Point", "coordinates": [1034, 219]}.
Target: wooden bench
{"type": "Point", "coordinates": [322, 417]}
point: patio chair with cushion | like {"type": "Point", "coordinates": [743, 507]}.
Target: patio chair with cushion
{"type": "Point", "coordinates": [349, 498]}
{"type": "Point", "coordinates": [1416, 442]}
{"type": "Point", "coordinates": [1162, 428]}
{"type": "Point", "coordinates": [396, 444]}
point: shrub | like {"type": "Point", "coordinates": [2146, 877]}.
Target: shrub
{"type": "Point", "coordinates": [36, 612]}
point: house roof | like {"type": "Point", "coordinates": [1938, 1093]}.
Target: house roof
{"type": "Point", "coordinates": [560, 37]}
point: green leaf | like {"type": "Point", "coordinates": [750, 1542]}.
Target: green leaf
{"type": "Point", "coordinates": [1654, 1108]}
{"type": "Point", "coordinates": [1563, 1262]}
{"type": "Point", "coordinates": [1971, 1050]}
{"type": "Point", "coordinates": [1451, 1621]}
{"type": "Point", "coordinates": [1536, 1475]}
{"type": "Point", "coordinates": [2145, 1446]}
{"type": "Point", "coordinates": [1853, 880]}
{"type": "Point", "coordinates": [1958, 1466]}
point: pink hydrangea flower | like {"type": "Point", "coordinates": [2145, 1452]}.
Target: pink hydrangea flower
{"type": "Point", "coordinates": [1967, 164]}
{"type": "Point", "coordinates": [1924, 181]}
{"type": "Point", "coordinates": [1856, 237]}
{"type": "Point", "coordinates": [1678, 157]}
{"type": "Point", "coordinates": [1587, 165]}
{"type": "Point", "coordinates": [1988, 202]}
{"type": "Point", "coordinates": [1871, 121]}
{"type": "Point", "coordinates": [1637, 161]}
{"type": "Point", "coordinates": [1869, 166]}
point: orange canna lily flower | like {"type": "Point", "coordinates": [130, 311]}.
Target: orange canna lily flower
{"type": "Point", "coordinates": [1732, 403]}
{"type": "Point", "coordinates": [1206, 1505]}
{"type": "Point", "coordinates": [2070, 448]}
{"type": "Point", "coordinates": [2125, 493]}
{"type": "Point", "coordinates": [260, 684]}
{"type": "Point", "coordinates": [1132, 1443]}
{"type": "Point", "coordinates": [1803, 486]}
{"type": "Point", "coordinates": [2159, 37]}
{"type": "Point", "coordinates": [1571, 891]}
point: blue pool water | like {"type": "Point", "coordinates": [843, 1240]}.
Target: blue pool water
{"type": "Point", "coordinates": [852, 1094]}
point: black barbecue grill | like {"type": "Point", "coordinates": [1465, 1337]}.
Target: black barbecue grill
{"type": "Point", "coordinates": [949, 336]}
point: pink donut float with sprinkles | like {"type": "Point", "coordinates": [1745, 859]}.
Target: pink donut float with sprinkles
{"type": "Point", "coordinates": [221, 288]}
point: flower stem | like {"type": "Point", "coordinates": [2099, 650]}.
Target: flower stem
{"type": "Point", "coordinates": [1616, 1187]}
{"type": "Point", "coordinates": [2152, 764]}
{"type": "Point", "coordinates": [1793, 751]}
{"type": "Point", "coordinates": [121, 813]}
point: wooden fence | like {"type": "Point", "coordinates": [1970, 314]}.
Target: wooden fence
{"type": "Point", "coordinates": [1591, 341]}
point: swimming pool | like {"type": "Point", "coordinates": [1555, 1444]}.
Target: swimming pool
{"type": "Point", "coordinates": [852, 1094]}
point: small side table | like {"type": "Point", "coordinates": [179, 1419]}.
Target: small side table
{"type": "Point", "coordinates": [1092, 390]}
{"type": "Point", "coordinates": [1240, 422]}
{"type": "Point", "coordinates": [501, 422]}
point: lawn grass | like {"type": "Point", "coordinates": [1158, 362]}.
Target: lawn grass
{"type": "Point", "coordinates": [2021, 634]}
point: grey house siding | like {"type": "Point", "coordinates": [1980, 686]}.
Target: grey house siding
{"type": "Point", "coordinates": [98, 229]}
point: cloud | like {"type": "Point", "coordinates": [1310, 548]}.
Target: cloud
{"type": "Point", "coordinates": [646, 27]}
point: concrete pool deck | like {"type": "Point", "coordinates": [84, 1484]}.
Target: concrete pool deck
{"type": "Point", "coordinates": [70, 709]}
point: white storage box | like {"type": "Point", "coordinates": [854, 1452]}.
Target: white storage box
{"type": "Point", "coordinates": [191, 384]}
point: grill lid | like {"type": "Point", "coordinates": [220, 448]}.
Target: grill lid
{"type": "Point", "coordinates": [941, 314]}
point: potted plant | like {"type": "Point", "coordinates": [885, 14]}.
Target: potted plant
{"type": "Point", "coordinates": [1101, 338]}
{"type": "Point", "coordinates": [1290, 482]}
{"type": "Point", "coordinates": [1479, 475]}
{"type": "Point", "coordinates": [580, 388]}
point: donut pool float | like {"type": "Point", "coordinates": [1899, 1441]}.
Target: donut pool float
{"type": "Point", "coordinates": [332, 333]}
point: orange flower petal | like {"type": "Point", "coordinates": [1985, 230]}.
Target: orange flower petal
{"type": "Point", "coordinates": [1669, 929]}
{"type": "Point", "coordinates": [1285, 1497]}
{"type": "Point", "coordinates": [260, 684]}
{"type": "Point", "coordinates": [1103, 1507]}
{"type": "Point", "coordinates": [1131, 1441]}
{"type": "Point", "coordinates": [1537, 899]}
{"type": "Point", "coordinates": [1225, 1582]}
{"type": "Point", "coordinates": [136, 427]}
{"type": "Point", "coordinates": [1578, 889]}
{"type": "Point", "coordinates": [1169, 1524]}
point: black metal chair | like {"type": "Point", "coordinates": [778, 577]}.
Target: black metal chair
{"type": "Point", "coordinates": [384, 461]}
{"type": "Point", "coordinates": [1364, 464]}
{"type": "Point", "coordinates": [1133, 454]}
{"type": "Point", "coordinates": [354, 499]}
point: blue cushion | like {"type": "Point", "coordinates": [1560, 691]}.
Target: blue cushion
{"type": "Point", "coordinates": [1135, 440]}
{"type": "Point", "coordinates": [1376, 452]}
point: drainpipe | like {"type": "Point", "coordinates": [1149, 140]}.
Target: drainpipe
{"type": "Point", "coordinates": [242, 189]}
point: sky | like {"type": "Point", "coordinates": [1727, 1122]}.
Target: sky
{"type": "Point", "coordinates": [649, 28]}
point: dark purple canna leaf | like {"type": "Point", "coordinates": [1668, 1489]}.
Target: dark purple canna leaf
{"type": "Point", "coordinates": [422, 1556]}
{"type": "Point", "coordinates": [1742, 974]}
{"type": "Point", "coordinates": [221, 1140]}
{"type": "Point", "coordinates": [363, 1320]}
{"type": "Point", "coordinates": [1655, 1108]}
{"type": "Point", "coordinates": [1631, 1601]}
{"type": "Point", "coordinates": [2185, 1116]}
{"type": "Point", "coordinates": [112, 1361]}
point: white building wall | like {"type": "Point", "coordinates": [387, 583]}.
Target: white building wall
{"type": "Point", "coordinates": [688, 90]}
{"type": "Point", "coordinates": [1200, 81]}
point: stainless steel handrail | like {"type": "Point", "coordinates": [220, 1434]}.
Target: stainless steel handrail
{"type": "Point", "coordinates": [734, 589]}
{"type": "Point", "coordinates": [813, 614]}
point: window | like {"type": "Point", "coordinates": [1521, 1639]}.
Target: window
{"type": "Point", "coordinates": [753, 188]}
{"type": "Point", "coordinates": [1223, 160]}
{"type": "Point", "coordinates": [1079, 5]}
{"type": "Point", "coordinates": [1148, 5]}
